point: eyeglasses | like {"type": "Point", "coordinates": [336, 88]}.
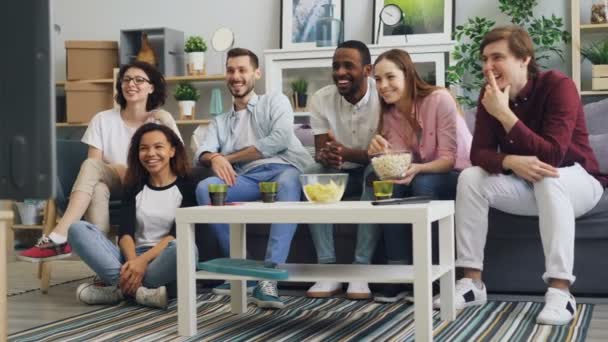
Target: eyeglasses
{"type": "Point", "coordinates": [137, 79]}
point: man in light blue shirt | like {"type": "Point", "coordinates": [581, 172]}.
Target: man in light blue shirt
{"type": "Point", "coordinates": [253, 143]}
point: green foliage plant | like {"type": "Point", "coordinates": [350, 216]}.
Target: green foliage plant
{"type": "Point", "coordinates": [596, 52]}
{"type": "Point", "coordinates": [299, 86]}
{"type": "Point", "coordinates": [195, 44]}
{"type": "Point", "coordinates": [186, 92]}
{"type": "Point", "coordinates": [548, 36]}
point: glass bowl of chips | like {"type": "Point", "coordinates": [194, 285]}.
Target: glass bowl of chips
{"type": "Point", "coordinates": [324, 187]}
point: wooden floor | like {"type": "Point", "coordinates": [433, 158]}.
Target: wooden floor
{"type": "Point", "coordinates": [33, 309]}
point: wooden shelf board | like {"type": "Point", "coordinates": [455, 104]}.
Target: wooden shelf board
{"type": "Point", "coordinates": [179, 122]}
{"type": "Point", "coordinates": [27, 226]}
{"type": "Point", "coordinates": [201, 78]}
{"type": "Point", "coordinates": [594, 27]}
{"type": "Point", "coordinates": [594, 92]}
{"type": "Point", "coordinates": [70, 124]}
{"type": "Point", "coordinates": [100, 80]}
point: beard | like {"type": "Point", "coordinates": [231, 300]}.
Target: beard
{"type": "Point", "coordinates": [244, 91]}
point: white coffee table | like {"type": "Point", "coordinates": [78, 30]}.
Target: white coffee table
{"type": "Point", "coordinates": [421, 274]}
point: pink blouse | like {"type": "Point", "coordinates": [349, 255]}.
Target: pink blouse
{"type": "Point", "coordinates": [444, 132]}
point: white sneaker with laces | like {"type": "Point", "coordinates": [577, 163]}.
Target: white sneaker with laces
{"type": "Point", "coordinates": [93, 294]}
{"type": "Point", "coordinates": [156, 298]}
{"type": "Point", "coordinates": [467, 294]}
{"type": "Point", "coordinates": [559, 309]}
{"type": "Point", "coordinates": [324, 289]}
{"type": "Point", "coordinates": [358, 290]}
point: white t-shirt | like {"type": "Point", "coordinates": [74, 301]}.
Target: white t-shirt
{"type": "Point", "coordinates": [354, 126]}
{"type": "Point", "coordinates": [244, 136]}
{"type": "Point", "coordinates": [109, 133]}
{"type": "Point", "coordinates": [155, 213]}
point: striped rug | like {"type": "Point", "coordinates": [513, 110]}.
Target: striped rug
{"type": "Point", "coordinates": [335, 319]}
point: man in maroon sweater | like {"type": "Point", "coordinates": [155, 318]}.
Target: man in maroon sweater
{"type": "Point", "coordinates": [531, 156]}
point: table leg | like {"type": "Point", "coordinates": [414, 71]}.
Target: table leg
{"type": "Point", "coordinates": [186, 280]}
{"type": "Point", "coordinates": [238, 250]}
{"type": "Point", "coordinates": [446, 259]}
{"type": "Point", "coordinates": [423, 289]}
{"type": "Point", "coordinates": [5, 216]}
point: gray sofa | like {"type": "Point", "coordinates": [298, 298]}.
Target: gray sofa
{"type": "Point", "coordinates": [514, 260]}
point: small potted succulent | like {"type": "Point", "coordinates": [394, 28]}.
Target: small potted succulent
{"type": "Point", "coordinates": [186, 96]}
{"type": "Point", "coordinates": [597, 54]}
{"type": "Point", "coordinates": [300, 89]}
{"type": "Point", "coordinates": [195, 48]}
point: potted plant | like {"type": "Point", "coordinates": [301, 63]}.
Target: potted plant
{"type": "Point", "coordinates": [195, 55]}
{"type": "Point", "coordinates": [186, 96]}
{"type": "Point", "coordinates": [597, 54]}
{"type": "Point", "coordinates": [300, 88]}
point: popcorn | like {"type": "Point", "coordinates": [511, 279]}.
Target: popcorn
{"type": "Point", "coordinates": [392, 165]}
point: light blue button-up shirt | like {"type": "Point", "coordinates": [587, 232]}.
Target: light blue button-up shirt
{"type": "Point", "coordinates": [273, 124]}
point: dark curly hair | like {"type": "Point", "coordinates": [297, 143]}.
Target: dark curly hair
{"type": "Point", "coordinates": [136, 174]}
{"type": "Point", "coordinates": [157, 98]}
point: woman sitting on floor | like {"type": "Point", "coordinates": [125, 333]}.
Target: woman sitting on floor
{"type": "Point", "coordinates": [140, 91]}
{"type": "Point", "coordinates": [157, 183]}
{"type": "Point", "coordinates": [424, 120]}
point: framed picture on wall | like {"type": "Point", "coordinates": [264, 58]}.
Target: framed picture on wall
{"type": "Point", "coordinates": [299, 19]}
{"type": "Point", "coordinates": [412, 21]}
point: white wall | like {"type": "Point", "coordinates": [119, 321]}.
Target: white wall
{"type": "Point", "coordinates": [255, 22]}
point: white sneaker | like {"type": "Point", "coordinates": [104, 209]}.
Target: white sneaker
{"type": "Point", "coordinates": [92, 294]}
{"type": "Point", "coordinates": [324, 289]}
{"type": "Point", "coordinates": [467, 294]}
{"type": "Point", "coordinates": [559, 308]}
{"type": "Point", "coordinates": [156, 298]}
{"type": "Point", "coordinates": [358, 290]}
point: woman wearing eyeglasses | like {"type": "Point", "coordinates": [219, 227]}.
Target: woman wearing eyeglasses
{"type": "Point", "coordinates": [140, 91]}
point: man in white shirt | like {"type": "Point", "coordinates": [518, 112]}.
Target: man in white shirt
{"type": "Point", "coordinates": [344, 119]}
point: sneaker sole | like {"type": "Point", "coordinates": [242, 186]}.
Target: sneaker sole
{"type": "Point", "coordinates": [266, 305]}
{"type": "Point", "coordinates": [39, 260]}
{"type": "Point", "coordinates": [326, 294]}
{"type": "Point", "coordinates": [540, 321]}
{"type": "Point", "coordinates": [466, 305]}
{"type": "Point", "coordinates": [224, 292]}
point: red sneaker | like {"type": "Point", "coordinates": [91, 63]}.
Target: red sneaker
{"type": "Point", "coordinates": [46, 250]}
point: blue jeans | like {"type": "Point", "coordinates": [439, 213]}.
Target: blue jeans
{"type": "Point", "coordinates": [105, 258]}
{"type": "Point", "coordinates": [323, 234]}
{"type": "Point", "coordinates": [246, 189]}
{"type": "Point", "coordinates": [397, 238]}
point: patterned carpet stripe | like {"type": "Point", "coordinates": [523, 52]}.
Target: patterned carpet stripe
{"type": "Point", "coordinates": [305, 319]}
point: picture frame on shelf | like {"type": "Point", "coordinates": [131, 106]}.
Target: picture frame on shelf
{"type": "Point", "coordinates": [423, 22]}
{"type": "Point", "coordinates": [299, 19]}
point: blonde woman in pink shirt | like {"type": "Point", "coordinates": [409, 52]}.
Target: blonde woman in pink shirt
{"type": "Point", "coordinates": [424, 120]}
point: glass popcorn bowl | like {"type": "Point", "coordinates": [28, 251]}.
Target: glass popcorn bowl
{"type": "Point", "coordinates": [391, 165]}
{"type": "Point", "coordinates": [324, 188]}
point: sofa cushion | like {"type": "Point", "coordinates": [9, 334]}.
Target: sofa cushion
{"type": "Point", "coordinates": [596, 117]}
{"type": "Point", "coordinates": [599, 144]}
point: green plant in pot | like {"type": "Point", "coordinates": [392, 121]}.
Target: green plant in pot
{"type": "Point", "coordinates": [597, 54]}
{"type": "Point", "coordinates": [548, 35]}
{"type": "Point", "coordinates": [186, 96]}
{"type": "Point", "coordinates": [300, 89]}
{"type": "Point", "coordinates": [195, 48]}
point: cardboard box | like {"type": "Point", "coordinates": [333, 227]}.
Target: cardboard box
{"type": "Point", "coordinates": [90, 59]}
{"type": "Point", "coordinates": [84, 100]}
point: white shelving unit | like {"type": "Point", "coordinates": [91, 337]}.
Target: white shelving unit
{"type": "Point", "coordinates": [315, 63]}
